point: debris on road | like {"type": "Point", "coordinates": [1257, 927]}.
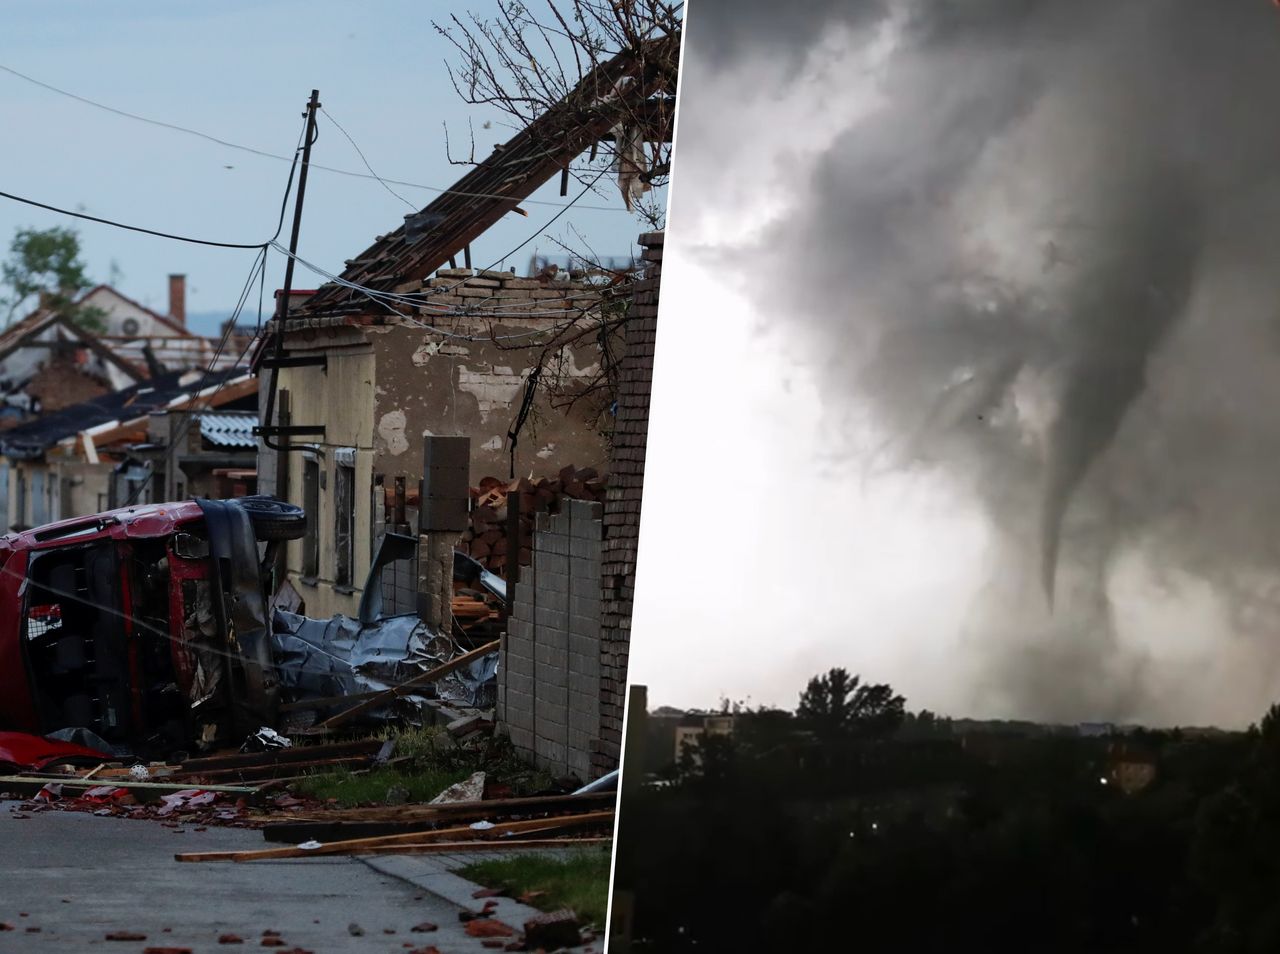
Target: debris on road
{"type": "Point", "coordinates": [332, 824]}
{"type": "Point", "coordinates": [424, 842]}
{"type": "Point", "coordinates": [23, 751]}
{"type": "Point", "coordinates": [553, 931]}
{"type": "Point", "coordinates": [470, 789]}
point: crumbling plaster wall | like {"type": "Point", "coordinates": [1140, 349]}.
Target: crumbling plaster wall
{"type": "Point", "coordinates": [549, 675]}
{"type": "Point", "coordinates": [474, 385]}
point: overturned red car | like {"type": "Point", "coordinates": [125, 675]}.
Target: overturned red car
{"type": "Point", "coordinates": [146, 626]}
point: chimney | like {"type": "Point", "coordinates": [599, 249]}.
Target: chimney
{"type": "Point", "coordinates": [178, 299]}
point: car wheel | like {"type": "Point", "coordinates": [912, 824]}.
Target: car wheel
{"type": "Point", "coordinates": [274, 519]}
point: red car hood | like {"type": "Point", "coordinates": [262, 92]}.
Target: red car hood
{"type": "Point", "coordinates": [32, 752]}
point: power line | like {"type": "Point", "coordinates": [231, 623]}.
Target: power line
{"type": "Point", "coordinates": [271, 155]}
{"type": "Point", "coordinates": [383, 299]}
{"type": "Point", "coordinates": [131, 228]}
{"type": "Point", "coordinates": [189, 413]}
{"type": "Point", "coordinates": [262, 246]}
{"type": "Point", "coordinates": [445, 289]}
{"type": "Point", "coordinates": [360, 153]}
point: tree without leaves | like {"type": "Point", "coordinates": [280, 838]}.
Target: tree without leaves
{"type": "Point", "coordinates": [523, 62]}
{"type": "Point", "coordinates": [45, 268]}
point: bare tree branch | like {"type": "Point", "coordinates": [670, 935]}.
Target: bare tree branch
{"type": "Point", "coordinates": [523, 63]}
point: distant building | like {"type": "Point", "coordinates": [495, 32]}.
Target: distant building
{"type": "Point", "coordinates": [48, 362]}
{"type": "Point", "coordinates": [694, 728]}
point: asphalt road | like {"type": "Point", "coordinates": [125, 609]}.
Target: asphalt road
{"type": "Point", "coordinates": [77, 877]}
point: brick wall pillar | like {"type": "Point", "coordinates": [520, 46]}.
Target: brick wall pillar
{"type": "Point", "coordinates": [622, 506]}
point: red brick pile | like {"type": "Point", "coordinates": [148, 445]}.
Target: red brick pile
{"type": "Point", "coordinates": [486, 539]}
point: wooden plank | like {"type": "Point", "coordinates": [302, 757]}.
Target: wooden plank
{"type": "Point", "coordinates": [405, 687]}
{"type": "Point", "coordinates": [488, 807]}
{"type": "Point", "coordinates": [258, 773]}
{"type": "Point", "coordinates": [320, 828]}
{"type": "Point", "coordinates": [18, 783]}
{"type": "Point", "coordinates": [439, 847]}
{"type": "Point", "coordinates": [300, 753]}
{"type": "Point", "coordinates": [392, 842]}
{"type": "Point", "coordinates": [449, 847]}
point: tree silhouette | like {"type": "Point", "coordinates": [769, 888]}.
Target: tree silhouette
{"type": "Point", "coordinates": [837, 705]}
{"type": "Point", "coordinates": [45, 267]}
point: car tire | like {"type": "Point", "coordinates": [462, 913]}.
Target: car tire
{"type": "Point", "coordinates": [274, 519]}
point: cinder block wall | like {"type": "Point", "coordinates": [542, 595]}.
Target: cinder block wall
{"type": "Point", "coordinates": [549, 676]}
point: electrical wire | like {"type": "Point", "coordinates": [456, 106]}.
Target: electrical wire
{"type": "Point", "coordinates": [190, 412]}
{"type": "Point", "coordinates": [131, 228]}
{"type": "Point", "coordinates": [293, 168]}
{"type": "Point", "coordinates": [382, 297]}
{"type": "Point", "coordinates": [259, 269]}
{"type": "Point", "coordinates": [446, 333]}
{"type": "Point", "coordinates": [271, 155]}
{"type": "Point", "coordinates": [383, 182]}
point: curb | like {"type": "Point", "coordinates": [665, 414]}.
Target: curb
{"type": "Point", "coordinates": [451, 887]}
{"type": "Point", "coordinates": [431, 876]}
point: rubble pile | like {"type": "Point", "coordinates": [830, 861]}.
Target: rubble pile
{"type": "Point", "coordinates": [486, 540]}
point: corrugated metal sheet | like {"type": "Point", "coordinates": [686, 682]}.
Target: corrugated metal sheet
{"type": "Point", "coordinates": [229, 430]}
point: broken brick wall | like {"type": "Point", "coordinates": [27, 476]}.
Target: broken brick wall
{"type": "Point", "coordinates": [549, 674]}
{"type": "Point", "coordinates": [622, 504]}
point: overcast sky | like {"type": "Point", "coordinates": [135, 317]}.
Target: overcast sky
{"type": "Point", "coordinates": [242, 71]}
{"type": "Point", "coordinates": [968, 360]}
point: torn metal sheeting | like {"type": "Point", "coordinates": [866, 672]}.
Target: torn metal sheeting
{"type": "Point", "coordinates": [342, 657]}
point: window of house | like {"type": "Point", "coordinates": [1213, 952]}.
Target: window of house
{"type": "Point", "coordinates": [4, 498]}
{"type": "Point", "coordinates": [20, 504]}
{"type": "Point", "coordinates": [311, 504]}
{"type": "Point", "coordinates": [344, 501]}
{"type": "Point", "coordinates": [39, 501]}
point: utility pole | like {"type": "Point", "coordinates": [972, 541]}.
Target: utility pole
{"type": "Point", "coordinates": [268, 430]}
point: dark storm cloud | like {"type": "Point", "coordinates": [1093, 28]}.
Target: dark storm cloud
{"type": "Point", "coordinates": [1067, 204]}
{"type": "Point", "coordinates": [722, 32]}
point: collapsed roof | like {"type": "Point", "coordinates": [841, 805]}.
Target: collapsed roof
{"type": "Point", "coordinates": [613, 93]}
{"type": "Point", "coordinates": [126, 408]}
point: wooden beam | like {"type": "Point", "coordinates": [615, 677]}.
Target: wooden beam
{"type": "Point", "coordinates": [318, 827]}
{"type": "Point", "coordinates": [20, 783]}
{"type": "Point", "coordinates": [300, 753]}
{"type": "Point", "coordinates": [405, 688]}
{"type": "Point", "coordinates": [389, 844]}
{"type": "Point", "coordinates": [429, 812]}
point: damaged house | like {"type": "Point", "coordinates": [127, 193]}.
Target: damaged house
{"type": "Point", "coordinates": [82, 459]}
{"type": "Point", "coordinates": [74, 393]}
{"type": "Point", "coordinates": [372, 380]}
{"type": "Point", "coordinates": [406, 344]}
{"type": "Point", "coordinates": [48, 361]}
